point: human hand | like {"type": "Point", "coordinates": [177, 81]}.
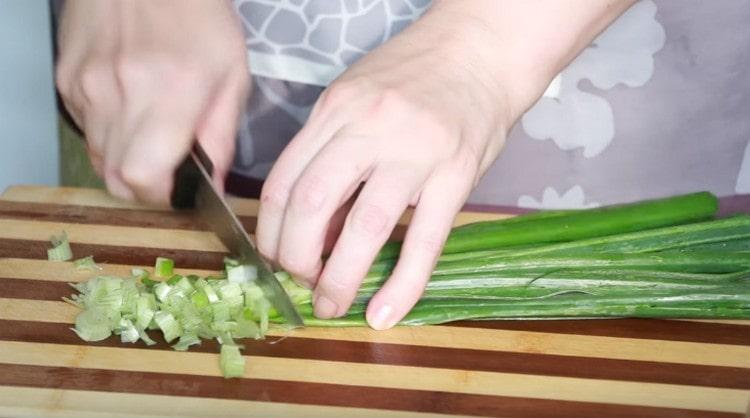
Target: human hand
{"type": "Point", "coordinates": [145, 79]}
{"type": "Point", "coordinates": [418, 120]}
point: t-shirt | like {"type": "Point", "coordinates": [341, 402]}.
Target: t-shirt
{"type": "Point", "coordinates": [658, 105]}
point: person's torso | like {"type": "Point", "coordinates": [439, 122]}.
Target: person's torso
{"type": "Point", "coordinates": [658, 105]}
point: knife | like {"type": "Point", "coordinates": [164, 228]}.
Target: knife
{"type": "Point", "coordinates": [193, 189]}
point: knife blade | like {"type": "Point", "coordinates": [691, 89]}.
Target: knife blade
{"type": "Point", "coordinates": [193, 189]}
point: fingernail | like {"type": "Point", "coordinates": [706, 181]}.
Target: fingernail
{"type": "Point", "coordinates": [324, 308]}
{"type": "Point", "coordinates": [383, 318]}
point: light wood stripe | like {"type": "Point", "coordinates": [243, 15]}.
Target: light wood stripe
{"type": "Point", "coordinates": [383, 376]}
{"type": "Point", "coordinates": [112, 235]}
{"type": "Point", "coordinates": [38, 311]}
{"type": "Point", "coordinates": [31, 269]}
{"type": "Point", "coordinates": [42, 402]}
{"type": "Point", "coordinates": [718, 321]}
{"type": "Point", "coordinates": [99, 198]}
{"type": "Point", "coordinates": [69, 196]}
{"type": "Point", "coordinates": [464, 338]}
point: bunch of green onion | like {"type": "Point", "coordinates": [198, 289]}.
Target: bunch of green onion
{"type": "Point", "coordinates": [658, 259]}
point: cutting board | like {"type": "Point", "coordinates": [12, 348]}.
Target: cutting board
{"type": "Point", "coordinates": [584, 368]}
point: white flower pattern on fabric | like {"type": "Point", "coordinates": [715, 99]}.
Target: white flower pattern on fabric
{"type": "Point", "coordinates": [574, 198]}
{"type": "Point", "coordinates": [621, 54]}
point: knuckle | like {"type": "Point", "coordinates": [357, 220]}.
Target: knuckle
{"type": "Point", "coordinates": [134, 176]}
{"type": "Point", "coordinates": [466, 158]}
{"type": "Point", "coordinates": [94, 82]}
{"type": "Point", "coordinates": [297, 266]}
{"type": "Point", "coordinates": [336, 282]}
{"type": "Point", "coordinates": [274, 196]}
{"type": "Point", "coordinates": [341, 93]}
{"type": "Point", "coordinates": [156, 72]}
{"type": "Point", "coordinates": [370, 220]}
{"type": "Point", "coordinates": [130, 73]}
{"type": "Point", "coordinates": [391, 100]}
{"type": "Point", "coordinates": [429, 243]}
{"type": "Point", "coordinates": [308, 195]}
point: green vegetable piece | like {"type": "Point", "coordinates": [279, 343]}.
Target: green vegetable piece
{"type": "Point", "coordinates": [86, 263]}
{"type": "Point", "coordinates": [60, 250]}
{"type": "Point", "coordinates": [168, 325]}
{"type": "Point", "coordinates": [164, 267]}
{"type": "Point", "coordinates": [174, 279]}
{"type": "Point", "coordinates": [199, 299]}
{"type": "Point", "coordinates": [231, 361]}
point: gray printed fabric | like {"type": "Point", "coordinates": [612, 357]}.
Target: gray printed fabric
{"type": "Point", "coordinates": [658, 105]}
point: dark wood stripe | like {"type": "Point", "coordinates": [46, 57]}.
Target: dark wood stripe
{"type": "Point", "coordinates": [32, 249]}
{"type": "Point", "coordinates": [51, 212]}
{"type": "Point", "coordinates": [34, 289]}
{"type": "Point", "coordinates": [652, 329]}
{"type": "Point", "coordinates": [324, 394]}
{"type": "Point", "coordinates": [423, 356]}
{"type": "Point", "coordinates": [92, 215]}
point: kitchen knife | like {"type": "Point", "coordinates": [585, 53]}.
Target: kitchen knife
{"type": "Point", "coordinates": [193, 189]}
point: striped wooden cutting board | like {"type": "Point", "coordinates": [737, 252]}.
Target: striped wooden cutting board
{"type": "Point", "coordinates": [595, 368]}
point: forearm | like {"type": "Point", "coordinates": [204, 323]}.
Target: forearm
{"type": "Point", "coordinates": [519, 46]}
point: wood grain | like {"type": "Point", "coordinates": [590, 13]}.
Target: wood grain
{"type": "Point", "coordinates": [592, 368]}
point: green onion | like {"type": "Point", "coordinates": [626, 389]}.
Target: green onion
{"type": "Point", "coordinates": [164, 267]}
{"type": "Point", "coordinates": [574, 225]}
{"type": "Point", "coordinates": [86, 263]}
{"type": "Point", "coordinates": [242, 273]}
{"type": "Point", "coordinates": [168, 325]}
{"type": "Point", "coordinates": [185, 341]}
{"type": "Point", "coordinates": [231, 361]}
{"type": "Point", "coordinates": [60, 250]}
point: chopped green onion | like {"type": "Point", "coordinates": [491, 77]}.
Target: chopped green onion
{"type": "Point", "coordinates": [211, 294]}
{"type": "Point", "coordinates": [92, 325]}
{"type": "Point", "coordinates": [230, 262]}
{"type": "Point", "coordinates": [231, 361]}
{"type": "Point", "coordinates": [164, 267]}
{"type": "Point", "coordinates": [168, 325]}
{"type": "Point", "coordinates": [145, 310]}
{"type": "Point", "coordinates": [146, 339]}
{"type": "Point", "coordinates": [149, 283]}
{"type": "Point", "coordinates": [185, 341]}
{"type": "Point", "coordinates": [138, 273]}
{"type": "Point", "coordinates": [242, 273]}
{"type": "Point", "coordinates": [199, 299]}
{"type": "Point", "coordinates": [128, 331]}
{"type": "Point", "coordinates": [60, 250]}
{"type": "Point", "coordinates": [86, 263]}
{"type": "Point", "coordinates": [174, 279]}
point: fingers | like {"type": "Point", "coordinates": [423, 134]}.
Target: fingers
{"type": "Point", "coordinates": [146, 157]}
{"type": "Point", "coordinates": [217, 128]}
{"type": "Point", "coordinates": [383, 199]}
{"type": "Point", "coordinates": [322, 188]}
{"type": "Point", "coordinates": [281, 180]}
{"type": "Point", "coordinates": [438, 205]}
{"type": "Point", "coordinates": [331, 112]}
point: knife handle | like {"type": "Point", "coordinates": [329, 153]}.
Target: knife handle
{"type": "Point", "coordinates": [187, 177]}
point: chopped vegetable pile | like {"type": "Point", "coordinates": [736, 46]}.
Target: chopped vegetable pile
{"type": "Point", "coordinates": [658, 259]}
